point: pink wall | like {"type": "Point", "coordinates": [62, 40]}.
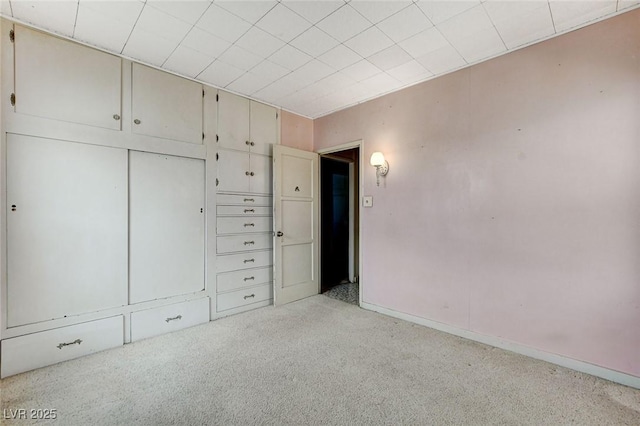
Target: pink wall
{"type": "Point", "coordinates": [512, 204]}
{"type": "Point", "coordinates": [296, 131]}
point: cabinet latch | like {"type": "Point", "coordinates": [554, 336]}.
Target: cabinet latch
{"type": "Point", "coordinates": [12, 36]}
{"type": "Point", "coordinates": [13, 99]}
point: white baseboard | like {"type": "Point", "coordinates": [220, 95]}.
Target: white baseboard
{"type": "Point", "coordinates": [583, 367]}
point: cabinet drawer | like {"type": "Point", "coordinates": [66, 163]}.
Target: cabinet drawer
{"type": "Point", "coordinates": [234, 262]}
{"type": "Point", "coordinates": [237, 225]}
{"type": "Point", "coordinates": [244, 297]}
{"type": "Point", "coordinates": [152, 322]}
{"type": "Point", "coordinates": [235, 243]}
{"type": "Point", "coordinates": [243, 211]}
{"type": "Point", "coordinates": [37, 350]}
{"type": "Point", "coordinates": [244, 278]}
{"type": "Point", "coordinates": [243, 200]}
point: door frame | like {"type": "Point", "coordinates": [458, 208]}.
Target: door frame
{"type": "Point", "coordinates": [359, 143]}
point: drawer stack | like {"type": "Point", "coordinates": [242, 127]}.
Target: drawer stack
{"type": "Point", "coordinates": [244, 242]}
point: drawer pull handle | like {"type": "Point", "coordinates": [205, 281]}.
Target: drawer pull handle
{"type": "Point", "coordinates": [75, 342]}
{"type": "Point", "coordinates": [249, 224]}
{"type": "Point", "coordinates": [249, 296]}
{"type": "Point", "coordinates": [249, 199]}
{"type": "Point", "coordinates": [249, 260]}
{"type": "Point", "coordinates": [249, 210]}
{"type": "Point", "coordinates": [248, 243]}
{"type": "Point", "coordinates": [250, 278]}
{"type": "Point", "coordinates": [179, 317]}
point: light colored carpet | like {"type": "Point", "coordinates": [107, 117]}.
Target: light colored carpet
{"type": "Point", "coordinates": [317, 361]}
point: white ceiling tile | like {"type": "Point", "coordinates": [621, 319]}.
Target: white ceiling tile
{"type": "Point", "coordinates": [481, 45]}
{"type": "Point", "coordinates": [220, 74]}
{"type": "Point", "coordinates": [223, 24]}
{"type": "Point", "coordinates": [409, 72]}
{"type": "Point", "coordinates": [259, 42]}
{"type": "Point", "coordinates": [283, 23]}
{"type": "Point", "coordinates": [376, 11]}
{"type": "Point", "coordinates": [344, 23]}
{"type": "Point", "coordinates": [440, 11]}
{"type": "Point", "coordinates": [336, 81]}
{"type": "Point", "coordinates": [518, 29]}
{"type": "Point", "coordinates": [205, 42]}
{"type": "Point", "coordinates": [361, 70]}
{"type": "Point", "coordinates": [314, 42]}
{"type": "Point", "coordinates": [187, 10]}
{"type": "Point", "coordinates": [187, 61]}
{"type": "Point", "coordinates": [56, 16]}
{"type": "Point", "coordinates": [389, 58]}
{"type": "Point", "coordinates": [148, 47]}
{"type": "Point", "coordinates": [269, 70]}
{"type": "Point", "coordinates": [625, 4]}
{"type": "Point", "coordinates": [570, 14]}
{"type": "Point", "coordinates": [369, 42]}
{"type": "Point", "coordinates": [424, 42]}
{"type": "Point", "coordinates": [248, 83]}
{"type": "Point", "coordinates": [313, 11]}
{"type": "Point", "coordinates": [279, 89]}
{"type": "Point", "coordinates": [500, 10]}
{"type": "Point", "coordinates": [404, 24]}
{"type": "Point", "coordinates": [466, 24]}
{"type": "Point", "coordinates": [340, 57]}
{"type": "Point", "coordinates": [312, 71]}
{"type": "Point", "coordinates": [164, 25]}
{"type": "Point", "coordinates": [5, 8]}
{"type": "Point", "coordinates": [249, 10]}
{"type": "Point", "coordinates": [106, 26]}
{"type": "Point", "coordinates": [381, 83]}
{"type": "Point", "coordinates": [442, 60]}
{"type": "Point", "coordinates": [240, 58]}
{"type": "Point", "coordinates": [290, 58]}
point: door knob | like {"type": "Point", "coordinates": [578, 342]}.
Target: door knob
{"type": "Point", "coordinates": [279, 234]}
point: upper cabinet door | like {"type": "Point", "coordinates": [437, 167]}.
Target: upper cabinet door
{"type": "Point", "coordinates": [233, 121]}
{"type": "Point", "coordinates": [264, 128]}
{"type": "Point", "coordinates": [166, 106]}
{"type": "Point", "coordinates": [65, 81]}
{"type": "Point", "coordinates": [234, 171]}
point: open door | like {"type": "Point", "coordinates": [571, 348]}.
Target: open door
{"type": "Point", "coordinates": [295, 205]}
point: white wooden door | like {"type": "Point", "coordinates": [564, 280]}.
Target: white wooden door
{"type": "Point", "coordinates": [65, 81]}
{"type": "Point", "coordinates": [233, 171]}
{"type": "Point", "coordinates": [261, 180]}
{"type": "Point", "coordinates": [166, 226]}
{"type": "Point", "coordinates": [67, 228]}
{"type": "Point", "coordinates": [295, 201]}
{"type": "Point", "coordinates": [233, 122]}
{"type": "Point", "coordinates": [166, 106]}
{"type": "Point", "coordinates": [264, 128]}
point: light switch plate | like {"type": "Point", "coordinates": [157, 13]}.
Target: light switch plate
{"type": "Point", "coordinates": [367, 201]}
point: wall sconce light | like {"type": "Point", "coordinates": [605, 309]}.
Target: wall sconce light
{"type": "Point", "coordinates": [382, 167]}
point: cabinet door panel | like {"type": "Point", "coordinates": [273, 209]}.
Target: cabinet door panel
{"type": "Point", "coordinates": [264, 128]}
{"type": "Point", "coordinates": [233, 121]}
{"type": "Point", "coordinates": [166, 106]}
{"type": "Point", "coordinates": [67, 234]}
{"type": "Point", "coordinates": [261, 181]}
{"type": "Point", "coordinates": [166, 230]}
{"type": "Point", "coordinates": [65, 81]}
{"type": "Point", "coordinates": [232, 171]}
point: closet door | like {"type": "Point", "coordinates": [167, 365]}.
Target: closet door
{"type": "Point", "coordinates": [65, 81]}
{"type": "Point", "coordinates": [67, 229]}
{"type": "Point", "coordinates": [233, 122]}
{"type": "Point", "coordinates": [264, 128]}
{"type": "Point", "coordinates": [166, 229]}
{"type": "Point", "coordinates": [166, 106]}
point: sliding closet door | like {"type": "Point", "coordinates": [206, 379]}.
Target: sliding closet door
{"type": "Point", "coordinates": [166, 229]}
{"type": "Point", "coordinates": [66, 228]}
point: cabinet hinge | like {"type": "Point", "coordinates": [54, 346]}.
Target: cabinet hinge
{"type": "Point", "coordinates": [202, 135]}
{"type": "Point", "coordinates": [13, 99]}
{"type": "Point", "coordinates": [12, 36]}
{"type": "Point", "coordinates": [276, 115]}
{"type": "Point", "coordinates": [217, 97]}
{"type": "Point", "coordinates": [217, 138]}
{"type": "Point", "coordinates": [217, 156]}
{"type": "Point", "coordinates": [217, 182]}
{"type": "Point", "coordinates": [203, 93]}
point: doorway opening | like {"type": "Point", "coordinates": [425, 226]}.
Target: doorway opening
{"type": "Point", "coordinates": [339, 224]}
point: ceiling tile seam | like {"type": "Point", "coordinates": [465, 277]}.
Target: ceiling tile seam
{"type": "Point", "coordinates": [133, 28]}
{"type": "Point", "coordinates": [494, 27]}
{"type": "Point", "coordinates": [185, 35]}
{"type": "Point", "coordinates": [253, 24]}
{"type": "Point", "coordinates": [11, 8]}
{"type": "Point", "coordinates": [75, 21]}
{"type": "Point", "coordinates": [553, 21]}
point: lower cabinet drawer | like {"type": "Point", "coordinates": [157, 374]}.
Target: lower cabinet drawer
{"type": "Point", "coordinates": [238, 225]}
{"type": "Point", "coordinates": [243, 200]}
{"type": "Point", "coordinates": [234, 262]}
{"type": "Point", "coordinates": [37, 350]}
{"type": "Point", "coordinates": [243, 211]}
{"type": "Point", "coordinates": [244, 278]}
{"type": "Point", "coordinates": [247, 242]}
{"type": "Point", "coordinates": [244, 297]}
{"type": "Point", "coordinates": [156, 321]}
